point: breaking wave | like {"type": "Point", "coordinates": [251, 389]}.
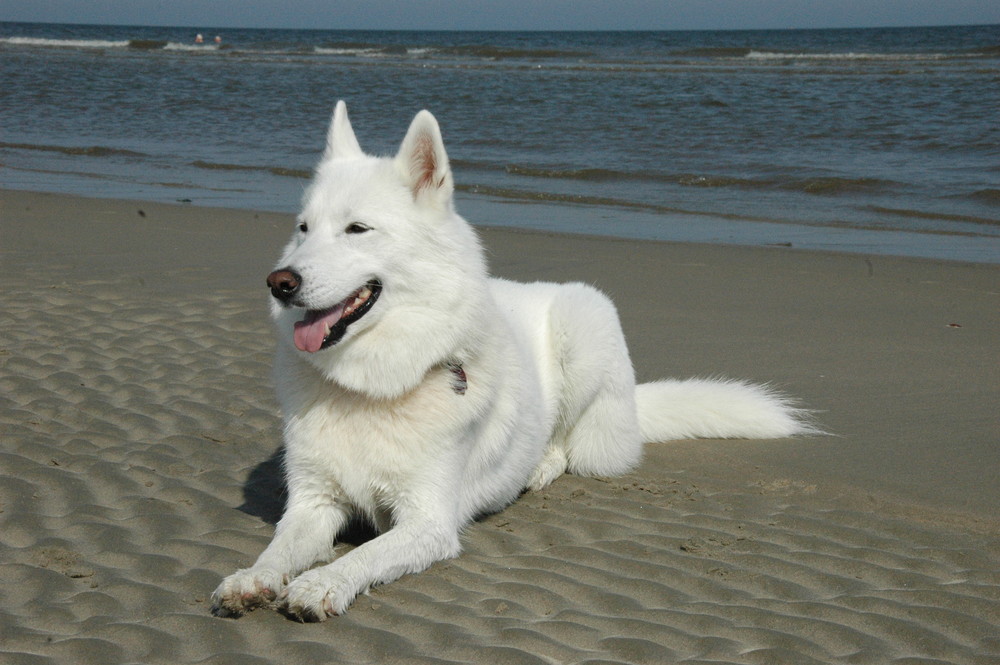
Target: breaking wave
{"type": "Point", "coordinates": [400, 47]}
{"type": "Point", "coordinates": [63, 43]}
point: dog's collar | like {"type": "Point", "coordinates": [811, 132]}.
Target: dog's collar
{"type": "Point", "coordinates": [459, 382]}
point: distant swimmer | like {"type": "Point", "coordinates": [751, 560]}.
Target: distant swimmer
{"type": "Point", "coordinates": [218, 39]}
{"type": "Point", "coordinates": [198, 39]}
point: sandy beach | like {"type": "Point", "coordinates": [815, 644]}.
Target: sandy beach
{"type": "Point", "coordinates": [140, 453]}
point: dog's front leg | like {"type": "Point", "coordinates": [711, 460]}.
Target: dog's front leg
{"type": "Point", "coordinates": [409, 547]}
{"type": "Point", "coordinates": [304, 536]}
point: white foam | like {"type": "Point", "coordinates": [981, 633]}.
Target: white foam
{"type": "Point", "coordinates": [368, 52]}
{"type": "Point", "coordinates": [175, 46]}
{"type": "Point", "coordinates": [71, 43]}
{"type": "Point", "coordinates": [771, 55]}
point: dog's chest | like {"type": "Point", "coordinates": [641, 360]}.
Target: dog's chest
{"type": "Point", "coordinates": [371, 451]}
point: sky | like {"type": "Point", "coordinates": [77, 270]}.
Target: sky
{"type": "Point", "coordinates": [508, 14]}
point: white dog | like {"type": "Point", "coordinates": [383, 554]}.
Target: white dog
{"type": "Point", "coordinates": [419, 393]}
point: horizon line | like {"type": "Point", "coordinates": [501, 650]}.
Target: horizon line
{"type": "Point", "coordinates": [210, 27]}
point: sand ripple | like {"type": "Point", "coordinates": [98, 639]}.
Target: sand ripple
{"type": "Point", "coordinates": [137, 463]}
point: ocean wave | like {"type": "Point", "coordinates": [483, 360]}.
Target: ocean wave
{"type": "Point", "coordinates": [833, 185]}
{"type": "Point", "coordinates": [712, 52]}
{"type": "Point", "coordinates": [937, 216]}
{"type": "Point", "coordinates": [558, 197]}
{"type": "Point", "coordinates": [823, 185]}
{"type": "Point", "coordinates": [709, 181]}
{"type": "Point", "coordinates": [471, 51]}
{"type": "Point", "coordinates": [526, 196]}
{"type": "Point", "coordinates": [903, 57]}
{"type": "Point", "coordinates": [497, 54]}
{"type": "Point", "coordinates": [195, 48]}
{"type": "Point", "coordinates": [576, 174]}
{"type": "Point", "coordinates": [611, 175]}
{"type": "Point", "coordinates": [349, 48]}
{"type": "Point", "coordinates": [63, 43]}
{"type": "Point", "coordinates": [139, 44]}
{"type": "Point", "coordinates": [85, 151]}
{"type": "Point", "coordinates": [366, 50]}
{"type": "Point", "coordinates": [274, 170]}
{"type": "Point", "coordinates": [491, 52]}
{"type": "Point", "coordinates": [989, 196]}
{"type": "Point", "coordinates": [147, 44]}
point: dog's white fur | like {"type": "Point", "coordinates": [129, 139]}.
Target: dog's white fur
{"type": "Point", "coordinates": [379, 426]}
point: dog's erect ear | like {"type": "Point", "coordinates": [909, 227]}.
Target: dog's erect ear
{"type": "Point", "coordinates": [423, 161]}
{"type": "Point", "coordinates": [340, 139]}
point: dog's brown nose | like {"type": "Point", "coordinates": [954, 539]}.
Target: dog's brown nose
{"type": "Point", "coordinates": [284, 284]}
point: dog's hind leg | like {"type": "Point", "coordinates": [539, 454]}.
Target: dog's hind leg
{"type": "Point", "coordinates": [597, 427]}
{"type": "Point", "coordinates": [605, 439]}
{"type": "Point", "coordinates": [552, 465]}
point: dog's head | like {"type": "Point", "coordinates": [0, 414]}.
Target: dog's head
{"type": "Point", "coordinates": [378, 253]}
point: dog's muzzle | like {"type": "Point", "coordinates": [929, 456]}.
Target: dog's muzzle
{"type": "Point", "coordinates": [323, 327]}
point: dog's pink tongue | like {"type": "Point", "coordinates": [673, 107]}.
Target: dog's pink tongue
{"type": "Point", "coordinates": [313, 329]}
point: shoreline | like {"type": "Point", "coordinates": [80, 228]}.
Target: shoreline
{"type": "Point", "coordinates": [632, 224]}
{"type": "Point", "coordinates": [140, 436]}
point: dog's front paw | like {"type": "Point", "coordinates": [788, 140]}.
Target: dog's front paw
{"type": "Point", "coordinates": [246, 590]}
{"type": "Point", "coordinates": [318, 594]}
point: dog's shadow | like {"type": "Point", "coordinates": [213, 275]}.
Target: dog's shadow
{"type": "Point", "coordinates": [265, 494]}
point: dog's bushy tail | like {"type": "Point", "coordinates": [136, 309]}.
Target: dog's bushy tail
{"type": "Point", "coordinates": [716, 409]}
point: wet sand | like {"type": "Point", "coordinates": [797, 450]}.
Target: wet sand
{"type": "Point", "coordinates": [140, 441]}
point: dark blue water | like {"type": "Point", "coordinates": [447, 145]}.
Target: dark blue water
{"type": "Point", "coordinates": [883, 140]}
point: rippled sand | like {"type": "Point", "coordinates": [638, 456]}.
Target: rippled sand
{"type": "Point", "coordinates": [140, 456]}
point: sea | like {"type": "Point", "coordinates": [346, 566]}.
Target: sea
{"type": "Point", "coordinates": [875, 141]}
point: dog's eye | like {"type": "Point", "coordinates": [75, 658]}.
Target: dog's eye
{"type": "Point", "coordinates": [303, 227]}
{"type": "Point", "coordinates": [357, 227]}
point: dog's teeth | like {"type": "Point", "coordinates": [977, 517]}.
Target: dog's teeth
{"type": "Point", "coordinates": [358, 300]}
